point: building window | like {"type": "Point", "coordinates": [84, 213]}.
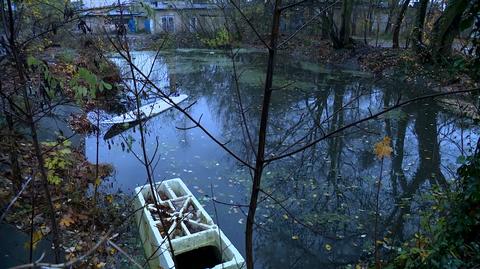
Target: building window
{"type": "Point", "coordinates": [167, 24]}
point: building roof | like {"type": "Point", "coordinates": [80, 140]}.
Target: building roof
{"type": "Point", "coordinates": [169, 5]}
{"type": "Point", "coordinates": [112, 12]}
{"type": "Point", "coordinates": [89, 4]}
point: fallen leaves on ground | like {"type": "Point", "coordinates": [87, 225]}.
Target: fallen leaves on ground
{"type": "Point", "coordinates": [66, 221]}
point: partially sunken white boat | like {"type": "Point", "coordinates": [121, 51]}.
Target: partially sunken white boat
{"type": "Point", "coordinates": [147, 111]}
{"type": "Point", "coordinates": [197, 242]}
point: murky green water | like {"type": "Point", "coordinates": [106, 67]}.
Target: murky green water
{"type": "Point", "coordinates": [330, 187]}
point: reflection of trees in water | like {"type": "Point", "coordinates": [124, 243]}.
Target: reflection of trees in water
{"type": "Point", "coordinates": [341, 196]}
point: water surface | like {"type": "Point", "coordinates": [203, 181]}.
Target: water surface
{"type": "Point", "coordinates": [323, 212]}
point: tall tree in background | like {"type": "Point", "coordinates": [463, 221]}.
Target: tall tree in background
{"type": "Point", "coordinates": [447, 27]}
{"type": "Point", "coordinates": [346, 26]}
{"type": "Point", "coordinates": [340, 39]}
{"type": "Point", "coordinates": [417, 32]}
{"type": "Point", "coordinates": [393, 4]}
{"type": "Point", "coordinates": [398, 24]}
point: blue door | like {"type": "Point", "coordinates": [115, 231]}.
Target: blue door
{"type": "Point", "coordinates": [131, 25]}
{"type": "Point", "coordinates": [147, 26]}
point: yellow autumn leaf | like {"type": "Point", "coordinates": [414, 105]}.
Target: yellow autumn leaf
{"type": "Point", "coordinates": [295, 237]}
{"type": "Point", "coordinates": [66, 221]}
{"type": "Point", "coordinates": [328, 247]}
{"type": "Point", "coordinates": [109, 198]}
{"type": "Point", "coordinates": [37, 236]}
{"type": "Point", "coordinates": [97, 182]}
{"type": "Point", "coordinates": [70, 256]}
{"type": "Point", "coordinates": [382, 148]}
{"type": "Point", "coordinates": [285, 216]}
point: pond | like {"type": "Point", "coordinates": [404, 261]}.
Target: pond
{"type": "Point", "coordinates": [329, 189]}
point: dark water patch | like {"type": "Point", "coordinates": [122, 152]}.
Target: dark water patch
{"type": "Point", "coordinates": [14, 248]}
{"type": "Point", "coordinates": [201, 258]}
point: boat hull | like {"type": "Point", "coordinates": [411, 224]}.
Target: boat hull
{"type": "Point", "coordinates": [147, 111]}
{"type": "Point", "coordinates": [191, 229]}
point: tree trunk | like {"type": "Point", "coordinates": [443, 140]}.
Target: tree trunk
{"type": "Point", "coordinates": [333, 31]}
{"type": "Point", "coordinates": [398, 24]}
{"type": "Point", "coordinates": [392, 8]}
{"type": "Point", "coordinates": [367, 23]}
{"type": "Point", "coordinates": [345, 28]}
{"type": "Point", "coordinates": [262, 136]}
{"type": "Point", "coordinates": [33, 129]}
{"type": "Point", "coordinates": [354, 23]}
{"type": "Point", "coordinates": [12, 145]}
{"type": "Point", "coordinates": [446, 28]}
{"type": "Point", "coordinates": [146, 161]}
{"type": "Point", "coordinates": [417, 31]}
{"type": "Point", "coordinates": [325, 30]}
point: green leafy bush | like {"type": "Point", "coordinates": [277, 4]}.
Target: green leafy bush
{"type": "Point", "coordinates": [222, 39]}
{"type": "Point", "coordinates": [86, 83]}
{"type": "Point", "coordinates": [57, 160]}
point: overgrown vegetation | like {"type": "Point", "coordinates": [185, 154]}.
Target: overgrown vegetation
{"type": "Point", "coordinates": [449, 236]}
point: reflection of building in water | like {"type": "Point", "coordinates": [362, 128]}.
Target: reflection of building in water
{"type": "Point", "coordinates": [172, 78]}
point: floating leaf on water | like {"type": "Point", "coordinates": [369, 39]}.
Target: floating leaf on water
{"type": "Point", "coordinates": [382, 148]}
{"type": "Point", "coordinates": [295, 237]}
